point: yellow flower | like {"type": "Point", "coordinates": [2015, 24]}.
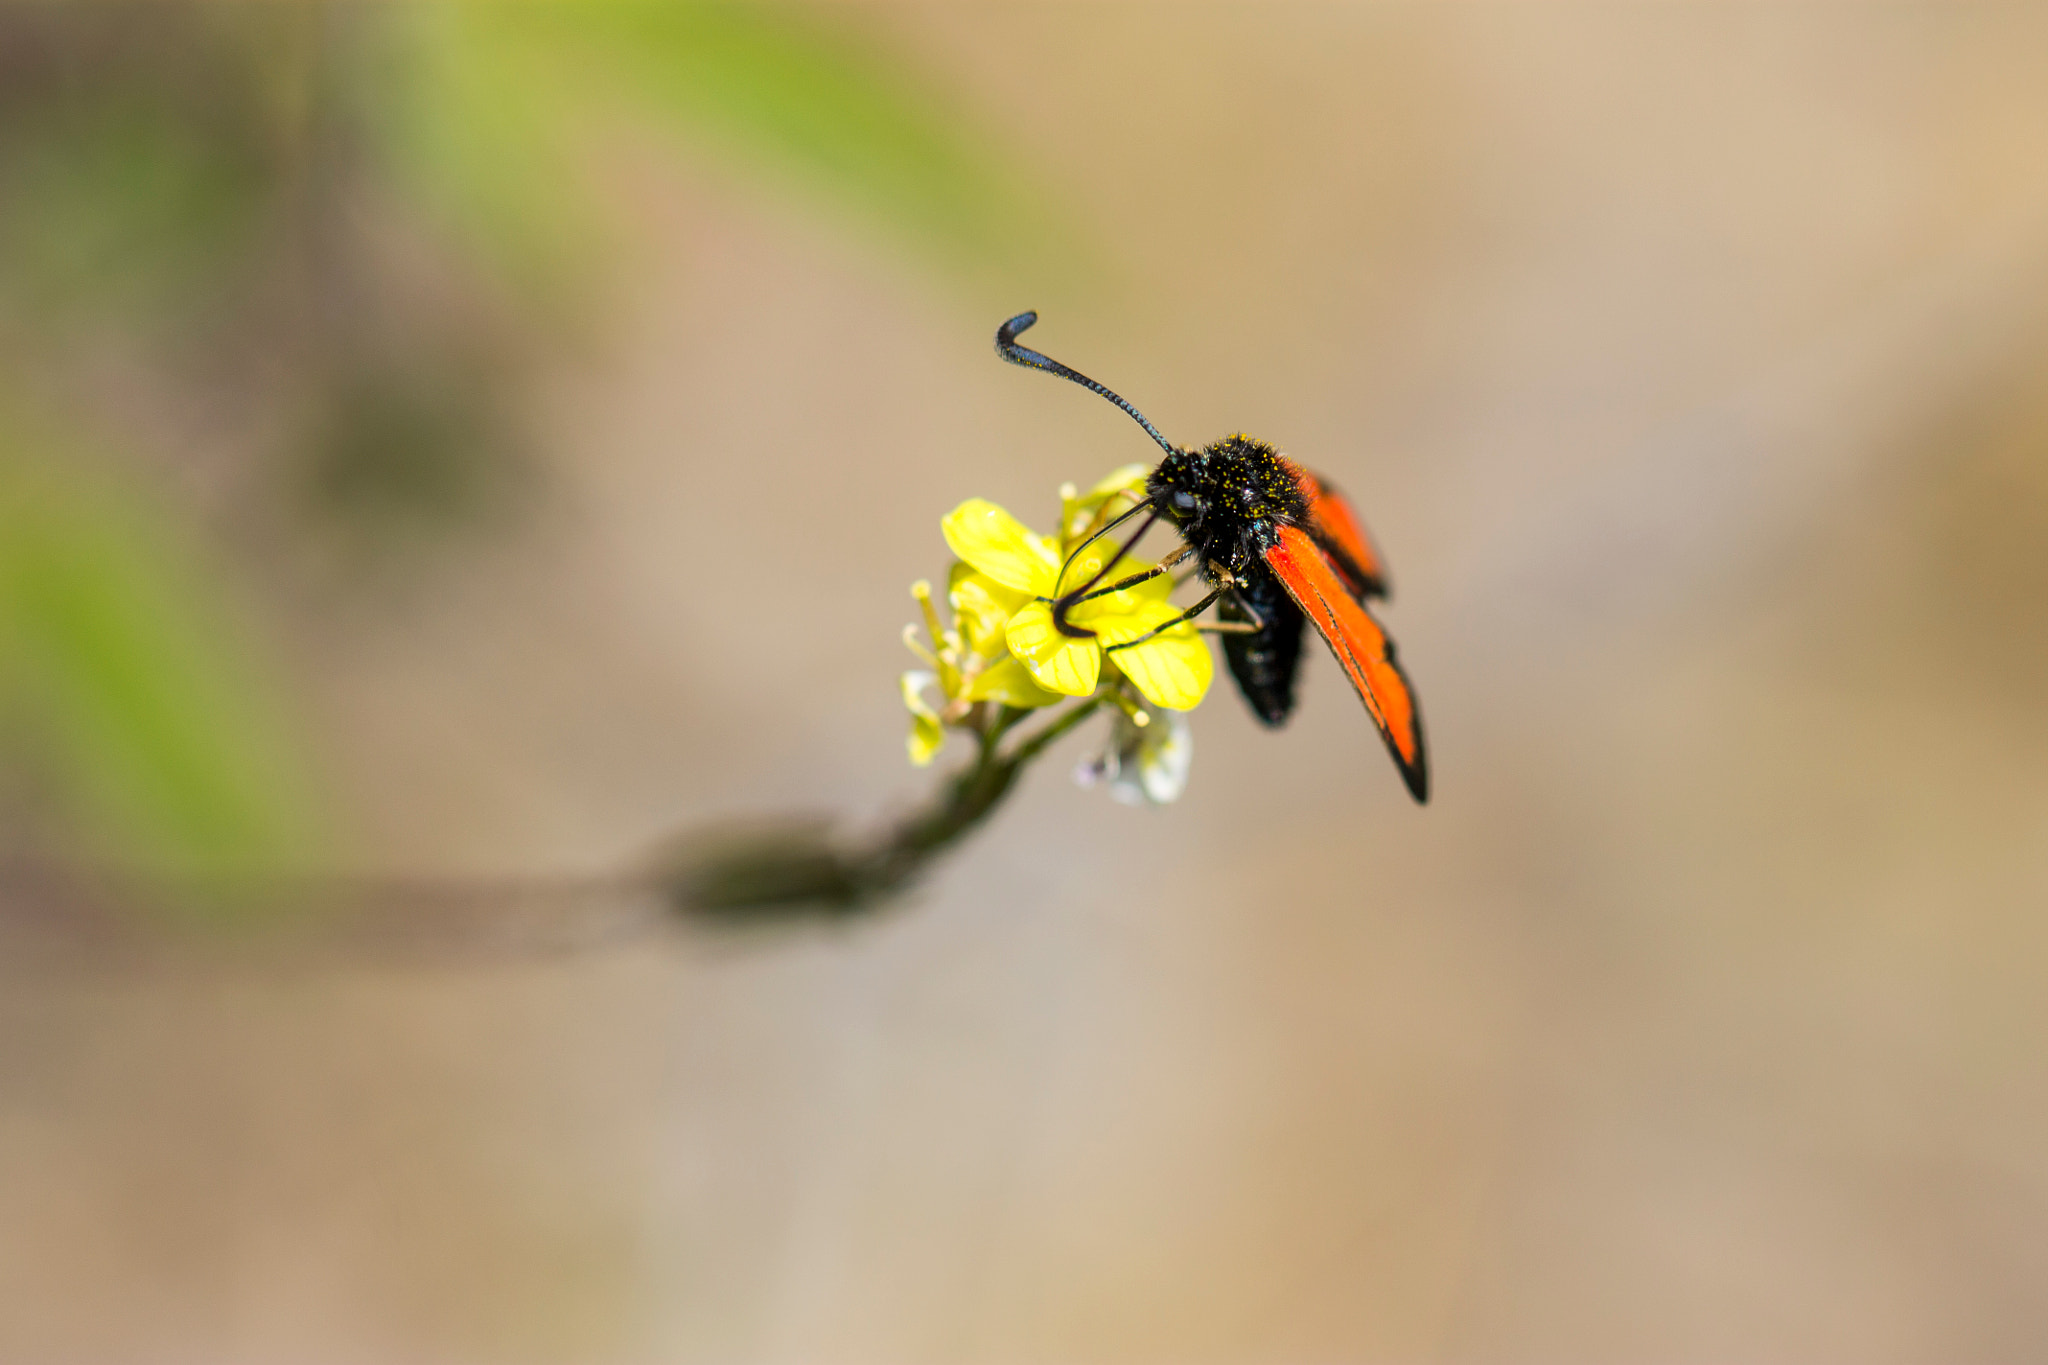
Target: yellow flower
{"type": "Point", "coordinates": [1172, 668]}
{"type": "Point", "coordinates": [1081, 513]}
{"type": "Point", "coordinates": [969, 662]}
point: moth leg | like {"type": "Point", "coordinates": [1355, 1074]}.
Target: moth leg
{"type": "Point", "coordinates": [1190, 614]}
{"type": "Point", "coordinates": [1251, 627]}
{"type": "Point", "coordinates": [1065, 603]}
{"type": "Point", "coordinates": [1135, 578]}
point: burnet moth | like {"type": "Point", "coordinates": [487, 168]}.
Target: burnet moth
{"type": "Point", "coordinates": [1277, 546]}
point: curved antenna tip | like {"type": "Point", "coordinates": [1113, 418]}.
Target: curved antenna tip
{"type": "Point", "coordinates": [1008, 349]}
{"type": "Point", "coordinates": [1023, 322]}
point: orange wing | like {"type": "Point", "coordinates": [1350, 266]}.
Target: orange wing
{"type": "Point", "coordinates": [1360, 645]}
{"type": "Point", "coordinates": [1335, 527]}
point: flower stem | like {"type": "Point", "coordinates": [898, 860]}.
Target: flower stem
{"type": "Point", "coordinates": [1031, 748]}
{"type": "Point", "coordinates": [766, 873]}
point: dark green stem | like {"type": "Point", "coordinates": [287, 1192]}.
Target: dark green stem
{"type": "Point", "coordinates": [765, 873]}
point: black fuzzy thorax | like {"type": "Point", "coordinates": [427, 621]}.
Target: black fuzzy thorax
{"type": "Point", "coordinates": [1228, 500]}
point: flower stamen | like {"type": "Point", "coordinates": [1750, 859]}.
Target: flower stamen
{"type": "Point", "coordinates": [917, 646]}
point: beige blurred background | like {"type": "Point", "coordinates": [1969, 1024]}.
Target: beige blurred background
{"type": "Point", "coordinates": [460, 443]}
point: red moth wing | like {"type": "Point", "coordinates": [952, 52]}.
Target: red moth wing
{"type": "Point", "coordinates": [1360, 646]}
{"type": "Point", "coordinates": [1336, 529]}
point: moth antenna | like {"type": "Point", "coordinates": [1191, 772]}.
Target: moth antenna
{"type": "Point", "coordinates": [1008, 349]}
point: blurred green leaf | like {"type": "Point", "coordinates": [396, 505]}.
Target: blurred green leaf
{"type": "Point", "coordinates": [125, 682]}
{"type": "Point", "coordinates": [480, 131]}
{"type": "Point", "coordinates": [117, 201]}
{"type": "Point", "coordinates": [503, 90]}
{"type": "Point", "coordinates": [793, 86]}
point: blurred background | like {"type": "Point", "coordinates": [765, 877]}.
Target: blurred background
{"type": "Point", "coordinates": [466, 445]}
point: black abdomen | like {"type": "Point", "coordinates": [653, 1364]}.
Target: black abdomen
{"type": "Point", "coordinates": [1264, 662]}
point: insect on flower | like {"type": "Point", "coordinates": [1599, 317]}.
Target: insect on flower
{"type": "Point", "coordinates": [1003, 651]}
{"type": "Point", "coordinates": [1277, 545]}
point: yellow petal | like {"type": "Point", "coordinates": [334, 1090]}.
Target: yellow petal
{"type": "Point", "coordinates": [1173, 669]}
{"type": "Point", "coordinates": [926, 734]}
{"type": "Point", "coordinates": [1009, 682]}
{"type": "Point", "coordinates": [1057, 662]}
{"type": "Point", "coordinates": [1131, 476]}
{"type": "Point", "coordinates": [1084, 512]}
{"type": "Point", "coordinates": [914, 683]}
{"type": "Point", "coordinates": [1147, 598]}
{"type": "Point", "coordinates": [1000, 546]}
{"type": "Point", "coordinates": [981, 608]}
